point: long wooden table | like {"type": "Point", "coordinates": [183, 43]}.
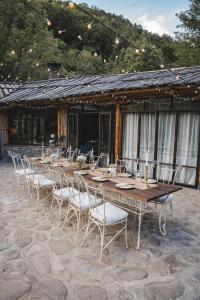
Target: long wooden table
{"type": "Point", "coordinates": [135, 200]}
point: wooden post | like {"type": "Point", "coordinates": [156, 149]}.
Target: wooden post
{"type": "Point", "coordinates": [62, 124]}
{"type": "Point", "coordinates": [59, 123]}
{"type": "Point", "coordinates": [117, 131]}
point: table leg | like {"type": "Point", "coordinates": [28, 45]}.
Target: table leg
{"type": "Point", "coordinates": [139, 226]}
{"type": "Point", "coordinates": [162, 219]}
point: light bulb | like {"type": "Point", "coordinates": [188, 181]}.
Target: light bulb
{"type": "Point", "coordinates": [71, 5]}
{"type": "Point", "coordinates": [30, 50]}
{"type": "Point", "coordinates": [80, 38]}
{"type": "Point", "coordinates": [13, 52]}
{"type": "Point", "coordinates": [117, 41]}
{"type": "Point", "coordinates": [177, 77]}
{"type": "Point", "coordinates": [162, 66]}
{"type": "Point", "coordinates": [143, 50]}
{"type": "Point", "coordinates": [137, 51]}
{"type": "Point", "coordinates": [37, 64]}
{"type": "Point", "coordinates": [89, 26]}
{"type": "Point", "coordinates": [48, 22]}
{"type": "Point", "coordinates": [95, 54]}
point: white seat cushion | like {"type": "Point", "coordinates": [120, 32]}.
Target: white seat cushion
{"type": "Point", "coordinates": [23, 172]}
{"type": "Point", "coordinates": [166, 198]}
{"type": "Point", "coordinates": [113, 214]}
{"type": "Point", "coordinates": [65, 193]}
{"type": "Point", "coordinates": [33, 177]}
{"type": "Point", "coordinates": [43, 182]}
{"type": "Point", "coordinates": [83, 202]}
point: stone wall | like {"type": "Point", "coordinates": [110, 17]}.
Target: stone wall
{"type": "Point", "coordinates": [28, 150]}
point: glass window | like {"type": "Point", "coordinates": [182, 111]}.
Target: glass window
{"type": "Point", "coordinates": [187, 147]}
{"type": "Point", "coordinates": [105, 127]}
{"type": "Point", "coordinates": [31, 126]}
{"type": "Point", "coordinates": [73, 131]}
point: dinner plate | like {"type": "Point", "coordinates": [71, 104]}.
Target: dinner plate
{"type": "Point", "coordinates": [150, 181]}
{"type": "Point", "coordinates": [125, 186]}
{"type": "Point", "coordinates": [125, 175]}
{"type": "Point", "coordinates": [45, 162]}
{"type": "Point", "coordinates": [100, 179]}
{"type": "Point", "coordinates": [103, 169]}
{"type": "Point", "coordinates": [81, 172]}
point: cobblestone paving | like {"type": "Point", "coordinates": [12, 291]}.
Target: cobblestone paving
{"type": "Point", "coordinates": [39, 262]}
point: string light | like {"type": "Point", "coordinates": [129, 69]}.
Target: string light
{"type": "Point", "coordinates": [137, 51]}
{"type": "Point", "coordinates": [71, 5]}
{"type": "Point", "coordinates": [95, 54]}
{"type": "Point", "coordinates": [48, 22]}
{"type": "Point", "coordinates": [177, 77]}
{"type": "Point", "coordinates": [162, 66]}
{"type": "Point", "coordinates": [37, 64]}
{"type": "Point", "coordinates": [30, 50]}
{"type": "Point", "coordinates": [80, 37]}
{"type": "Point", "coordinates": [12, 52]}
{"type": "Point", "coordinates": [89, 26]}
{"type": "Point", "coordinates": [117, 41]}
{"type": "Point", "coordinates": [143, 50]}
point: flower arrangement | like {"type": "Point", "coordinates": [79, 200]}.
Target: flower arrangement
{"type": "Point", "coordinates": [81, 159]}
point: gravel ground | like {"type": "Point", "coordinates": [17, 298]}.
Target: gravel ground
{"type": "Point", "coordinates": [38, 261]}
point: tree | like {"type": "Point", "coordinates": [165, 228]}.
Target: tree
{"type": "Point", "coordinates": [188, 40]}
{"type": "Point", "coordinates": [27, 45]}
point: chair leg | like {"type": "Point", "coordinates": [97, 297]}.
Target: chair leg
{"type": "Point", "coordinates": [38, 199]}
{"type": "Point", "coordinates": [126, 234]}
{"type": "Point", "coordinates": [78, 224]}
{"type": "Point", "coordinates": [52, 202]}
{"type": "Point", "coordinates": [102, 234]}
{"type": "Point", "coordinates": [59, 213]}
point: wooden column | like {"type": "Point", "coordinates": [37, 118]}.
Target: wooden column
{"type": "Point", "coordinates": [4, 134]}
{"type": "Point", "coordinates": [62, 123]}
{"type": "Point", "coordinates": [59, 123]}
{"type": "Point", "coordinates": [117, 131]}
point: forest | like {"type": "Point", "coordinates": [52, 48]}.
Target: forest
{"type": "Point", "coordinates": [38, 34]}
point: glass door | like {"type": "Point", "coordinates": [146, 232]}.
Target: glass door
{"type": "Point", "coordinates": [104, 132]}
{"type": "Point", "coordinates": [73, 130]}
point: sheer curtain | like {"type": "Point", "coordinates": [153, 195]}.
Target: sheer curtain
{"type": "Point", "coordinates": [147, 136]}
{"type": "Point", "coordinates": [187, 146]}
{"type": "Point", "coordinates": [130, 136]}
{"type": "Point", "coordinates": [166, 133]}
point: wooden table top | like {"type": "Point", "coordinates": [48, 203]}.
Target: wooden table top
{"type": "Point", "coordinates": [160, 189]}
{"type": "Point", "coordinates": [145, 195]}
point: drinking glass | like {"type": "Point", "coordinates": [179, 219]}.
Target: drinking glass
{"type": "Point", "coordinates": [137, 176]}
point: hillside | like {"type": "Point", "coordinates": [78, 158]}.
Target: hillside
{"type": "Point", "coordinates": [36, 33]}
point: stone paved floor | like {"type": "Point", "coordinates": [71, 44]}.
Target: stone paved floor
{"type": "Point", "coordinates": [39, 262]}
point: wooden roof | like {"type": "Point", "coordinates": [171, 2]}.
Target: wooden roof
{"type": "Point", "coordinates": [6, 88]}
{"type": "Point", "coordinates": [104, 86]}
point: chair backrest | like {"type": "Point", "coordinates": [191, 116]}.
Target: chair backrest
{"type": "Point", "coordinates": [95, 194]}
{"type": "Point", "coordinates": [167, 174]}
{"type": "Point", "coordinates": [124, 166]}
{"type": "Point", "coordinates": [74, 154]}
{"type": "Point", "coordinates": [142, 165]}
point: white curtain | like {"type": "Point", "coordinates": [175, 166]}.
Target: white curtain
{"type": "Point", "coordinates": [187, 146]}
{"type": "Point", "coordinates": [130, 136]}
{"type": "Point", "coordinates": [166, 133]}
{"type": "Point", "coordinates": [147, 136]}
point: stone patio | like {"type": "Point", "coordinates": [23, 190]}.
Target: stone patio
{"type": "Point", "coordinates": [39, 262]}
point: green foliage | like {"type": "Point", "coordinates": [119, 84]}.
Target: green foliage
{"type": "Point", "coordinates": [188, 45]}
{"type": "Point", "coordinates": [28, 44]}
